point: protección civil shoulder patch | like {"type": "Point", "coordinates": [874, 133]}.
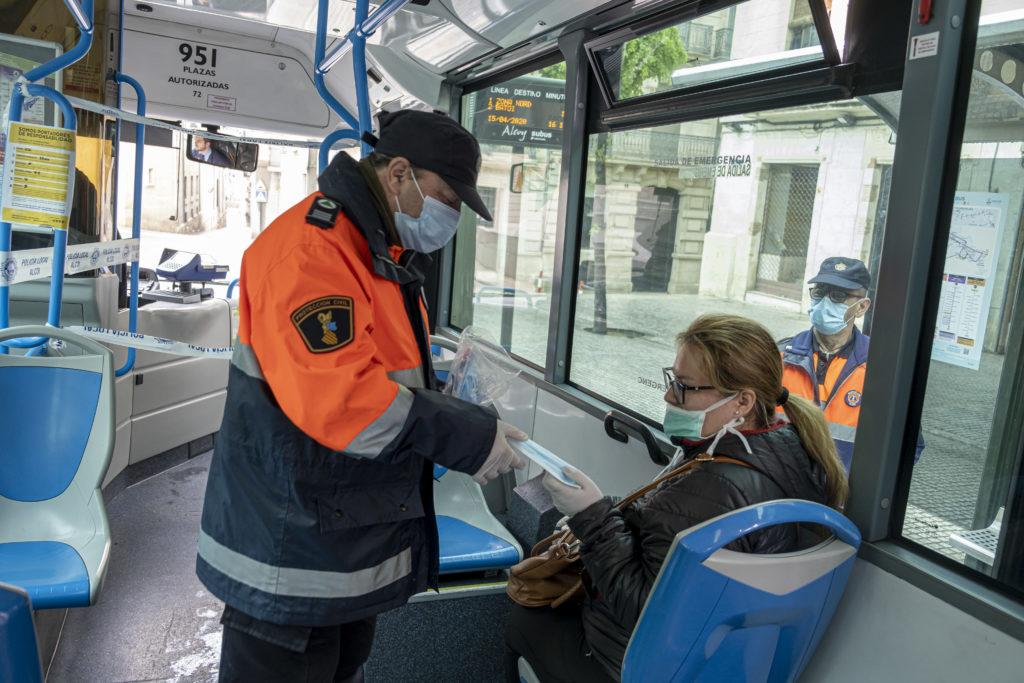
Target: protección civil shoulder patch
{"type": "Point", "coordinates": [325, 324]}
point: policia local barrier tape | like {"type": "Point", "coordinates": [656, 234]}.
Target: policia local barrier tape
{"type": "Point", "coordinates": [146, 121]}
{"type": "Point", "coordinates": [33, 264]}
{"type": "Point", "coordinates": [149, 343]}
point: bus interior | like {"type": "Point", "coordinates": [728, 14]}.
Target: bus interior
{"type": "Point", "coordinates": [645, 162]}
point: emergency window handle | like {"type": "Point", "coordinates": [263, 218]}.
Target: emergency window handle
{"type": "Point", "coordinates": [619, 425]}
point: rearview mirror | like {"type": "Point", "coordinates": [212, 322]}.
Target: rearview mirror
{"type": "Point", "coordinates": [240, 156]}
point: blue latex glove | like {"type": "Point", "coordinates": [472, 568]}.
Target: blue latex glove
{"type": "Point", "coordinates": [569, 500]}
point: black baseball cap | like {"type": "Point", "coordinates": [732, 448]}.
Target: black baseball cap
{"type": "Point", "coordinates": [437, 143]}
{"type": "Point", "coordinates": [846, 273]}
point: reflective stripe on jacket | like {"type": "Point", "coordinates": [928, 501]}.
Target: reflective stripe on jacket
{"type": "Point", "coordinates": [319, 503]}
{"type": "Point", "coordinates": [842, 405]}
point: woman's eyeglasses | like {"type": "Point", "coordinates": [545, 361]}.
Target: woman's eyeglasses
{"type": "Point", "coordinates": [678, 388]}
{"type": "Point", "coordinates": [837, 295]}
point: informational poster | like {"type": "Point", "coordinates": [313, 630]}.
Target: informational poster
{"type": "Point", "coordinates": [39, 175]}
{"type": "Point", "coordinates": [33, 110]}
{"type": "Point", "coordinates": [967, 280]}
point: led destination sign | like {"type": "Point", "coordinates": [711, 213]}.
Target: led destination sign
{"type": "Point", "coordinates": [524, 111]}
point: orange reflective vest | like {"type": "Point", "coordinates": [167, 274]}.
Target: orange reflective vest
{"type": "Point", "coordinates": [842, 392]}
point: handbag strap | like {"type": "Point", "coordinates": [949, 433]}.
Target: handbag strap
{"type": "Point", "coordinates": [682, 469]}
{"type": "Point", "coordinates": [565, 540]}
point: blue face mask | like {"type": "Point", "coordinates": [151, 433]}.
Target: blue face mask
{"type": "Point", "coordinates": [434, 227]}
{"type": "Point", "coordinates": [827, 316]}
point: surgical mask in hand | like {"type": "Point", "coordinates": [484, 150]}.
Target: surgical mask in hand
{"type": "Point", "coordinates": [827, 316]}
{"type": "Point", "coordinates": [436, 224]}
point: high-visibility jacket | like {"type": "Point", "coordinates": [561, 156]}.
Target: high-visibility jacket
{"type": "Point", "coordinates": [319, 504]}
{"type": "Point", "coordinates": [844, 378]}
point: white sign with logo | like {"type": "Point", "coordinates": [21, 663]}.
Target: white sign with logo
{"type": "Point", "coordinates": [212, 77]}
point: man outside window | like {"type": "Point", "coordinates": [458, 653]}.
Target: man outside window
{"type": "Point", "coordinates": [827, 363]}
{"type": "Point", "coordinates": [319, 510]}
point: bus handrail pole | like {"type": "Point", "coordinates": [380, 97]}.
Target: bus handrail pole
{"type": "Point", "coordinates": [363, 30]}
{"type": "Point", "coordinates": [83, 16]}
{"type": "Point", "coordinates": [318, 74]}
{"type": "Point", "coordinates": [360, 76]}
{"type": "Point", "coordinates": [325, 146]}
{"type": "Point", "coordinates": [140, 143]}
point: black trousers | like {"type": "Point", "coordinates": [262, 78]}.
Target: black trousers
{"type": "Point", "coordinates": [552, 641]}
{"type": "Point", "coordinates": [255, 651]}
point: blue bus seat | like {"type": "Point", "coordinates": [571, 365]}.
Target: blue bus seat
{"type": "Point", "coordinates": [57, 418]}
{"type": "Point", "coordinates": [470, 537]}
{"type": "Point", "coordinates": [19, 652]}
{"type": "Point", "coordinates": [718, 615]}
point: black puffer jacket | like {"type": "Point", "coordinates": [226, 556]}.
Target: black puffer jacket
{"type": "Point", "coordinates": [623, 551]}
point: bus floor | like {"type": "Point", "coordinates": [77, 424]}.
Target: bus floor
{"type": "Point", "coordinates": [154, 620]}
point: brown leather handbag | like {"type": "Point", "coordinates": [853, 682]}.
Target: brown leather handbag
{"type": "Point", "coordinates": [552, 573]}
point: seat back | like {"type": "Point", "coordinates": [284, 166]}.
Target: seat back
{"type": "Point", "coordinates": [19, 652]}
{"type": "Point", "coordinates": [57, 418]}
{"type": "Point", "coordinates": [719, 615]}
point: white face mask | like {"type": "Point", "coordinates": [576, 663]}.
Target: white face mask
{"type": "Point", "coordinates": [436, 224]}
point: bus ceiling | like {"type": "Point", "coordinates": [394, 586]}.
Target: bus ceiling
{"type": "Point", "coordinates": [249, 63]}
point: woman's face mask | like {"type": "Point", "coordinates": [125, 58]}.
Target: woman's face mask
{"type": "Point", "coordinates": [436, 224]}
{"type": "Point", "coordinates": [827, 316]}
{"type": "Point", "coordinates": [689, 424]}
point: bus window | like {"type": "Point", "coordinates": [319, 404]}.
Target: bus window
{"type": "Point", "coordinates": [972, 413]}
{"type": "Point", "coordinates": [503, 267]}
{"type": "Point", "coordinates": [750, 37]}
{"type": "Point", "coordinates": [723, 215]}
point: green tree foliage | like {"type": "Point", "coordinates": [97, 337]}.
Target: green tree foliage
{"type": "Point", "coordinates": [652, 57]}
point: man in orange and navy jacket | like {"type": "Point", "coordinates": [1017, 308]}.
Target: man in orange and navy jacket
{"type": "Point", "coordinates": [319, 509]}
{"type": "Point", "coordinates": [826, 364]}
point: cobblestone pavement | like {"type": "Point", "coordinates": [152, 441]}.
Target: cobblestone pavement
{"type": "Point", "coordinates": [625, 366]}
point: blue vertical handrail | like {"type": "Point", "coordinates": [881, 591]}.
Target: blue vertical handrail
{"type": "Point", "coordinates": [83, 17]}
{"type": "Point", "coordinates": [360, 75]}
{"type": "Point", "coordinates": [318, 73]}
{"type": "Point", "coordinates": [355, 40]}
{"type": "Point", "coordinates": [140, 143]}
{"type": "Point", "coordinates": [325, 146]}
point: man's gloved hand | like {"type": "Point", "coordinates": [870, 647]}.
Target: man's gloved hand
{"type": "Point", "coordinates": [501, 458]}
{"type": "Point", "coordinates": [569, 500]}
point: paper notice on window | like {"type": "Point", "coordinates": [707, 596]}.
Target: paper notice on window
{"type": "Point", "coordinates": [38, 176]}
{"type": "Point", "coordinates": [550, 462]}
{"type": "Point", "coordinates": [975, 233]}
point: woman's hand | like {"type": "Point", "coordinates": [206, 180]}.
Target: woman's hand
{"type": "Point", "coordinates": [569, 500]}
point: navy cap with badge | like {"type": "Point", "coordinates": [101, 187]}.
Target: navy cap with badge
{"type": "Point", "coordinates": [843, 272]}
{"type": "Point", "coordinates": [436, 143]}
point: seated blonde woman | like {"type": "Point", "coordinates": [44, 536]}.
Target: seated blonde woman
{"type": "Point", "coordinates": [721, 397]}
